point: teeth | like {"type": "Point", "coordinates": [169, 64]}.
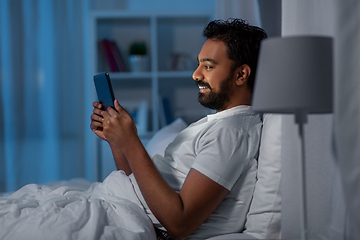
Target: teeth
{"type": "Point", "coordinates": [202, 87]}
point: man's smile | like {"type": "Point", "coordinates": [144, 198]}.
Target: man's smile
{"type": "Point", "coordinates": [203, 89]}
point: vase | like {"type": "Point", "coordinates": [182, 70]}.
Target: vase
{"type": "Point", "coordinates": [139, 63]}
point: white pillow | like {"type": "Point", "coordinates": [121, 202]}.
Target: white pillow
{"type": "Point", "coordinates": [263, 221]}
{"type": "Point", "coordinates": [164, 137]}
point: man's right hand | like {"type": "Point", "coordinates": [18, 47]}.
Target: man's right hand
{"type": "Point", "coordinates": [97, 120]}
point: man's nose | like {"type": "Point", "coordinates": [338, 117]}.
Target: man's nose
{"type": "Point", "coordinates": [197, 75]}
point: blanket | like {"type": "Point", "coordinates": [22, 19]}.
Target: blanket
{"type": "Point", "coordinates": [106, 210]}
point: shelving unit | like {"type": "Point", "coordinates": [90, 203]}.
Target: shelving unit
{"type": "Point", "coordinates": [169, 36]}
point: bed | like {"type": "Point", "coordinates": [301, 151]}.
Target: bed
{"type": "Point", "coordinates": [79, 209]}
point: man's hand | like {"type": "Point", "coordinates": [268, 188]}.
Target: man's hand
{"type": "Point", "coordinates": [97, 120]}
{"type": "Point", "coordinates": [118, 127]}
{"type": "Point", "coordinates": [98, 126]}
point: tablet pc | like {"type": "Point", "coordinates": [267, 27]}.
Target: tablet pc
{"type": "Point", "coordinates": [104, 90]}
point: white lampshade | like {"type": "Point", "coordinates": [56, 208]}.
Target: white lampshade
{"type": "Point", "coordinates": [294, 74]}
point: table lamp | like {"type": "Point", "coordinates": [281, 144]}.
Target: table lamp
{"type": "Point", "coordinates": [294, 76]}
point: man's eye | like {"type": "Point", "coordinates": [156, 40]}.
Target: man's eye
{"type": "Point", "coordinates": [208, 67]}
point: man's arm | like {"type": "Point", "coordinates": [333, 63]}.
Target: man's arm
{"type": "Point", "coordinates": [97, 127]}
{"type": "Point", "coordinates": [180, 213]}
{"type": "Point", "coordinates": [120, 160]}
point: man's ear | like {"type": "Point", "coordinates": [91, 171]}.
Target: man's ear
{"type": "Point", "coordinates": [242, 74]}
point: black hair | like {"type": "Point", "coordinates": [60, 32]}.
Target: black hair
{"type": "Point", "coordinates": [242, 41]}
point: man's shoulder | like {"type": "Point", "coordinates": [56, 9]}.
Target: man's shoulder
{"type": "Point", "coordinates": [233, 126]}
{"type": "Point", "coordinates": [238, 121]}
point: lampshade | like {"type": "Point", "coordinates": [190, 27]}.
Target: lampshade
{"type": "Point", "coordinates": [294, 74]}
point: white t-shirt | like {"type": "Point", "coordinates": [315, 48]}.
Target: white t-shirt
{"type": "Point", "coordinates": [224, 147]}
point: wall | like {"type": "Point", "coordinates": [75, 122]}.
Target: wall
{"type": "Point", "coordinates": [303, 18]}
{"type": "Point", "coordinates": [153, 4]}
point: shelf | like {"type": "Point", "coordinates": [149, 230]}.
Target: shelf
{"type": "Point", "coordinates": [173, 40]}
{"type": "Point", "coordinates": [176, 74]}
{"type": "Point", "coordinates": [130, 75]}
{"type": "Point", "coordinates": [144, 75]}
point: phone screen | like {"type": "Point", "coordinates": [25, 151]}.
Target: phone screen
{"type": "Point", "coordinates": [104, 90]}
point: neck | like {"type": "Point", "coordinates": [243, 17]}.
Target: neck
{"type": "Point", "coordinates": [237, 99]}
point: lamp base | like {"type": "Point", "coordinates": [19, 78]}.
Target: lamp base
{"type": "Point", "coordinates": [301, 119]}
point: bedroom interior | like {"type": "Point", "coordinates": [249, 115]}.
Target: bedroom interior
{"type": "Point", "coordinates": [46, 101]}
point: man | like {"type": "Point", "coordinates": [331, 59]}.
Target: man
{"type": "Point", "coordinates": [203, 185]}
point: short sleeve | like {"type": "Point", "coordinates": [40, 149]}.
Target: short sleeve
{"type": "Point", "coordinates": [223, 154]}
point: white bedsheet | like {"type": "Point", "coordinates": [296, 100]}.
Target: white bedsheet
{"type": "Point", "coordinates": [107, 210]}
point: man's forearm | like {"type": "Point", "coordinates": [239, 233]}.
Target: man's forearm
{"type": "Point", "coordinates": [163, 201]}
{"type": "Point", "coordinates": [120, 160]}
{"type": "Point", "coordinates": [180, 218]}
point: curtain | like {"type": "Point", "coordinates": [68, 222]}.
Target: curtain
{"type": "Point", "coordinates": [347, 118]}
{"type": "Point", "coordinates": [42, 74]}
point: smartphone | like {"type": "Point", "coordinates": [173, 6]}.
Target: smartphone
{"type": "Point", "coordinates": [104, 90]}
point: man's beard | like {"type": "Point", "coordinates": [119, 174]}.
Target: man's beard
{"type": "Point", "coordinates": [216, 100]}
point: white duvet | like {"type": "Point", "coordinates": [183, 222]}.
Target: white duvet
{"type": "Point", "coordinates": [107, 210]}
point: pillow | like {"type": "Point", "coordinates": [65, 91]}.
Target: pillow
{"type": "Point", "coordinates": [263, 220]}
{"type": "Point", "coordinates": [164, 137]}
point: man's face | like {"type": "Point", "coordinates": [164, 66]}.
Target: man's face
{"type": "Point", "coordinates": [214, 76]}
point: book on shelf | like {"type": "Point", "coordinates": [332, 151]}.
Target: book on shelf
{"type": "Point", "coordinates": [110, 56]}
{"type": "Point", "coordinates": [117, 56]}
